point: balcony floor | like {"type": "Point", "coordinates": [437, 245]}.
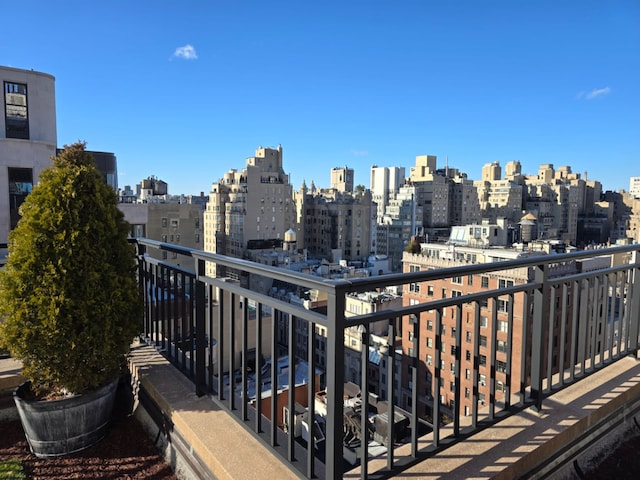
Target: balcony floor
{"type": "Point", "coordinates": [543, 444]}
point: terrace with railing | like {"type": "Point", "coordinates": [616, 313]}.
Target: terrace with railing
{"type": "Point", "coordinates": [257, 355]}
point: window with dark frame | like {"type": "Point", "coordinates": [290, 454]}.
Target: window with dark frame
{"type": "Point", "coordinates": [20, 185]}
{"type": "Point", "coordinates": [16, 112]}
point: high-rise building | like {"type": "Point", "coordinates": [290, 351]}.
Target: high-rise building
{"type": "Point", "coordinates": [501, 198]}
{"type": "Point", "coordinates": [342, 179]}
{"type": "Point", "coordinates": [501, 322]}
{"type": "Point", "coordinates": [402, 219]}
{"type": "Point", "coordinates": [385, 184]}
{"type": "Point", "coordinates": [634, 186]}
{"type": "Point", "coordinates": [28, 137]}
{"type": "Point", "coordinates": [334, 225]}
{"type": "Point", "coordinates": [249, 206]}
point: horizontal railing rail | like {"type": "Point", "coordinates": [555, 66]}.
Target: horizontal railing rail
{"type": "Point", "coordinates": [450, 365]}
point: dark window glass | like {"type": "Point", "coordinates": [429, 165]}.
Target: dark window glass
{"type": "Point", "coordinates": [20, 185]}
{"type": "Point", "coordinates": [16, 114]}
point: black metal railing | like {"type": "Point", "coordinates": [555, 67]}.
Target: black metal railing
{"type": "Point", "coordinates": [261, 354]}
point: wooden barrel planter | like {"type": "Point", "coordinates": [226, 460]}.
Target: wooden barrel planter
{"type": "Point", "coordinates": [60, 427]}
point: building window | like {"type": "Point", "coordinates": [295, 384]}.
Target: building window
{"type": "Point", "coordinates": [501, 367]}
{"type": "Point", "coordinates": [197, 238]}
{"type": "Point", "coordinates": [502, 346]}
{"type": "Point", "coordinates": [484, 282]}
{"type": "Point", "coordinates": [503, 305]}
{"type": "Point", "coordinates": [429, 360]}
{"type": "Point", "coordinates": [414, 287]}
{"type": "Point", "coordinates": [429, 342]}
{"type": "Point", "coordinates": [502, 283]}
{"type": "Point", "coordinates": [483, 360]}
{"type": "Point", "coordinates": [503, 326]}
{"type": "Point", "coordinates": [164, 222]}
{"type": "Point", "coordinates": [483, 322]}
{"type": "Point", "coordinates": [468, 336]}
{"type": "Point", "coordinates": [469, 279]}
{"type": "Point", "coordinates": [483, 340]}
{"type": "Point", "coordinates": [429, 324]}
{"type": "Point", "coordinates": [16, 114]}
{"type": "Point", "coordinates": [456, 280]}
{"type": "Point", "coordinates": [174, 223]}
{"type": "Point", "coordinates": [20, 185]}
{"type": "Point", "coordinates": [430, 290]}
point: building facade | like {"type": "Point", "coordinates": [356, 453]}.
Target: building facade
{"type": "Point", "coordinates": [482, 323]}
{"type": "Point", "coordinates": [28, 137]}
{"type": "Point", "coordinates": [249, 205]}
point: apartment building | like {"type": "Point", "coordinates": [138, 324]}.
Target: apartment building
{"type": "Point", "coordinates": [432, 195]}
{"type": "Point", "coordinates": [334, 225]}
{"type": "Point", "coordinates": [251, 204]}
{"type": "Point", "coordinates": [28, 137]}
{"type": "Point", "coordinates": [402, 219]}
{"type": "Point", "coordinates": [342, 179]}
{"type": "Point", "coordinates": [501, 198]}
{"type": "Point", "coordinates": [634, 186]}
{"type": "Point", "coordinates": [482, 323]}
{"type": "Point", "coordinates": [385, 183]}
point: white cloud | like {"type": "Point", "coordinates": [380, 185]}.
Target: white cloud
{"type": "Point", "coordinates": [359, 153]}
{"type": "Point", "coordinates": [595, 93]}
{"type": "Point", "coordinates": [187, 52]}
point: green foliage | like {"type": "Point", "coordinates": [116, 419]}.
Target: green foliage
{"type": "Point", "coordinates": [413, 246]}
{"type": "Point", "coordinates": [12, 469]}
{"type": "Point", "coordinates": [68, 293]}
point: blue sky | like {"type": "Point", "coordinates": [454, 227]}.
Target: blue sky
{"type": "Point", "coordinates": [187, 90]}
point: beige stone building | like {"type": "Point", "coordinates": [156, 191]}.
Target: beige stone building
{"type": "Point", "coordinates": [432, 192]}
{"type": "Point", "coordinates": [249, 206]}
{"type": "Point", "coordinates": [334, 225]}
{"type": "Point", "coordinates": [342, 179]}
{"type": "Point", "coordinates": [172, 222]}
{"type": "Point", "coordinates": [501, 198]}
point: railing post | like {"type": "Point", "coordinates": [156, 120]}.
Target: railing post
{"type": "Point", "coordinates": [540, 302]}
{"type": "Point", "coordinates": [142, 286]}
{"type": "Point", "coordinates": [200, 330]}
{"type": "Point", "coordinates": [335, 382]}
{"type": "Point", "coordinates": [634, 317]}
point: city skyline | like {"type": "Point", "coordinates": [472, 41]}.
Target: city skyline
{"type": "Point", "coordinates": [186, 94]}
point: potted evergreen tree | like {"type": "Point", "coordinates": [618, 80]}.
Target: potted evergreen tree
{"type": "Point", "coordinates": [69, 304]}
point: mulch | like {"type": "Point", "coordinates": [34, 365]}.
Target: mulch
{"type": "Point", "coordinates": [126, 452]}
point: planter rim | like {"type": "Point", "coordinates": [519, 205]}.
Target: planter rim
{"type": "Point", "coordinates": [18, 393]}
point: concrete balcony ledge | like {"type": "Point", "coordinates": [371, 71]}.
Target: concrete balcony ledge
{"type": "Point", "coordinates": [580, 423]}
{"type": "Point", "coordinates": [10, 379]}
{"type": "Point", "coordinates": [214, 444]}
